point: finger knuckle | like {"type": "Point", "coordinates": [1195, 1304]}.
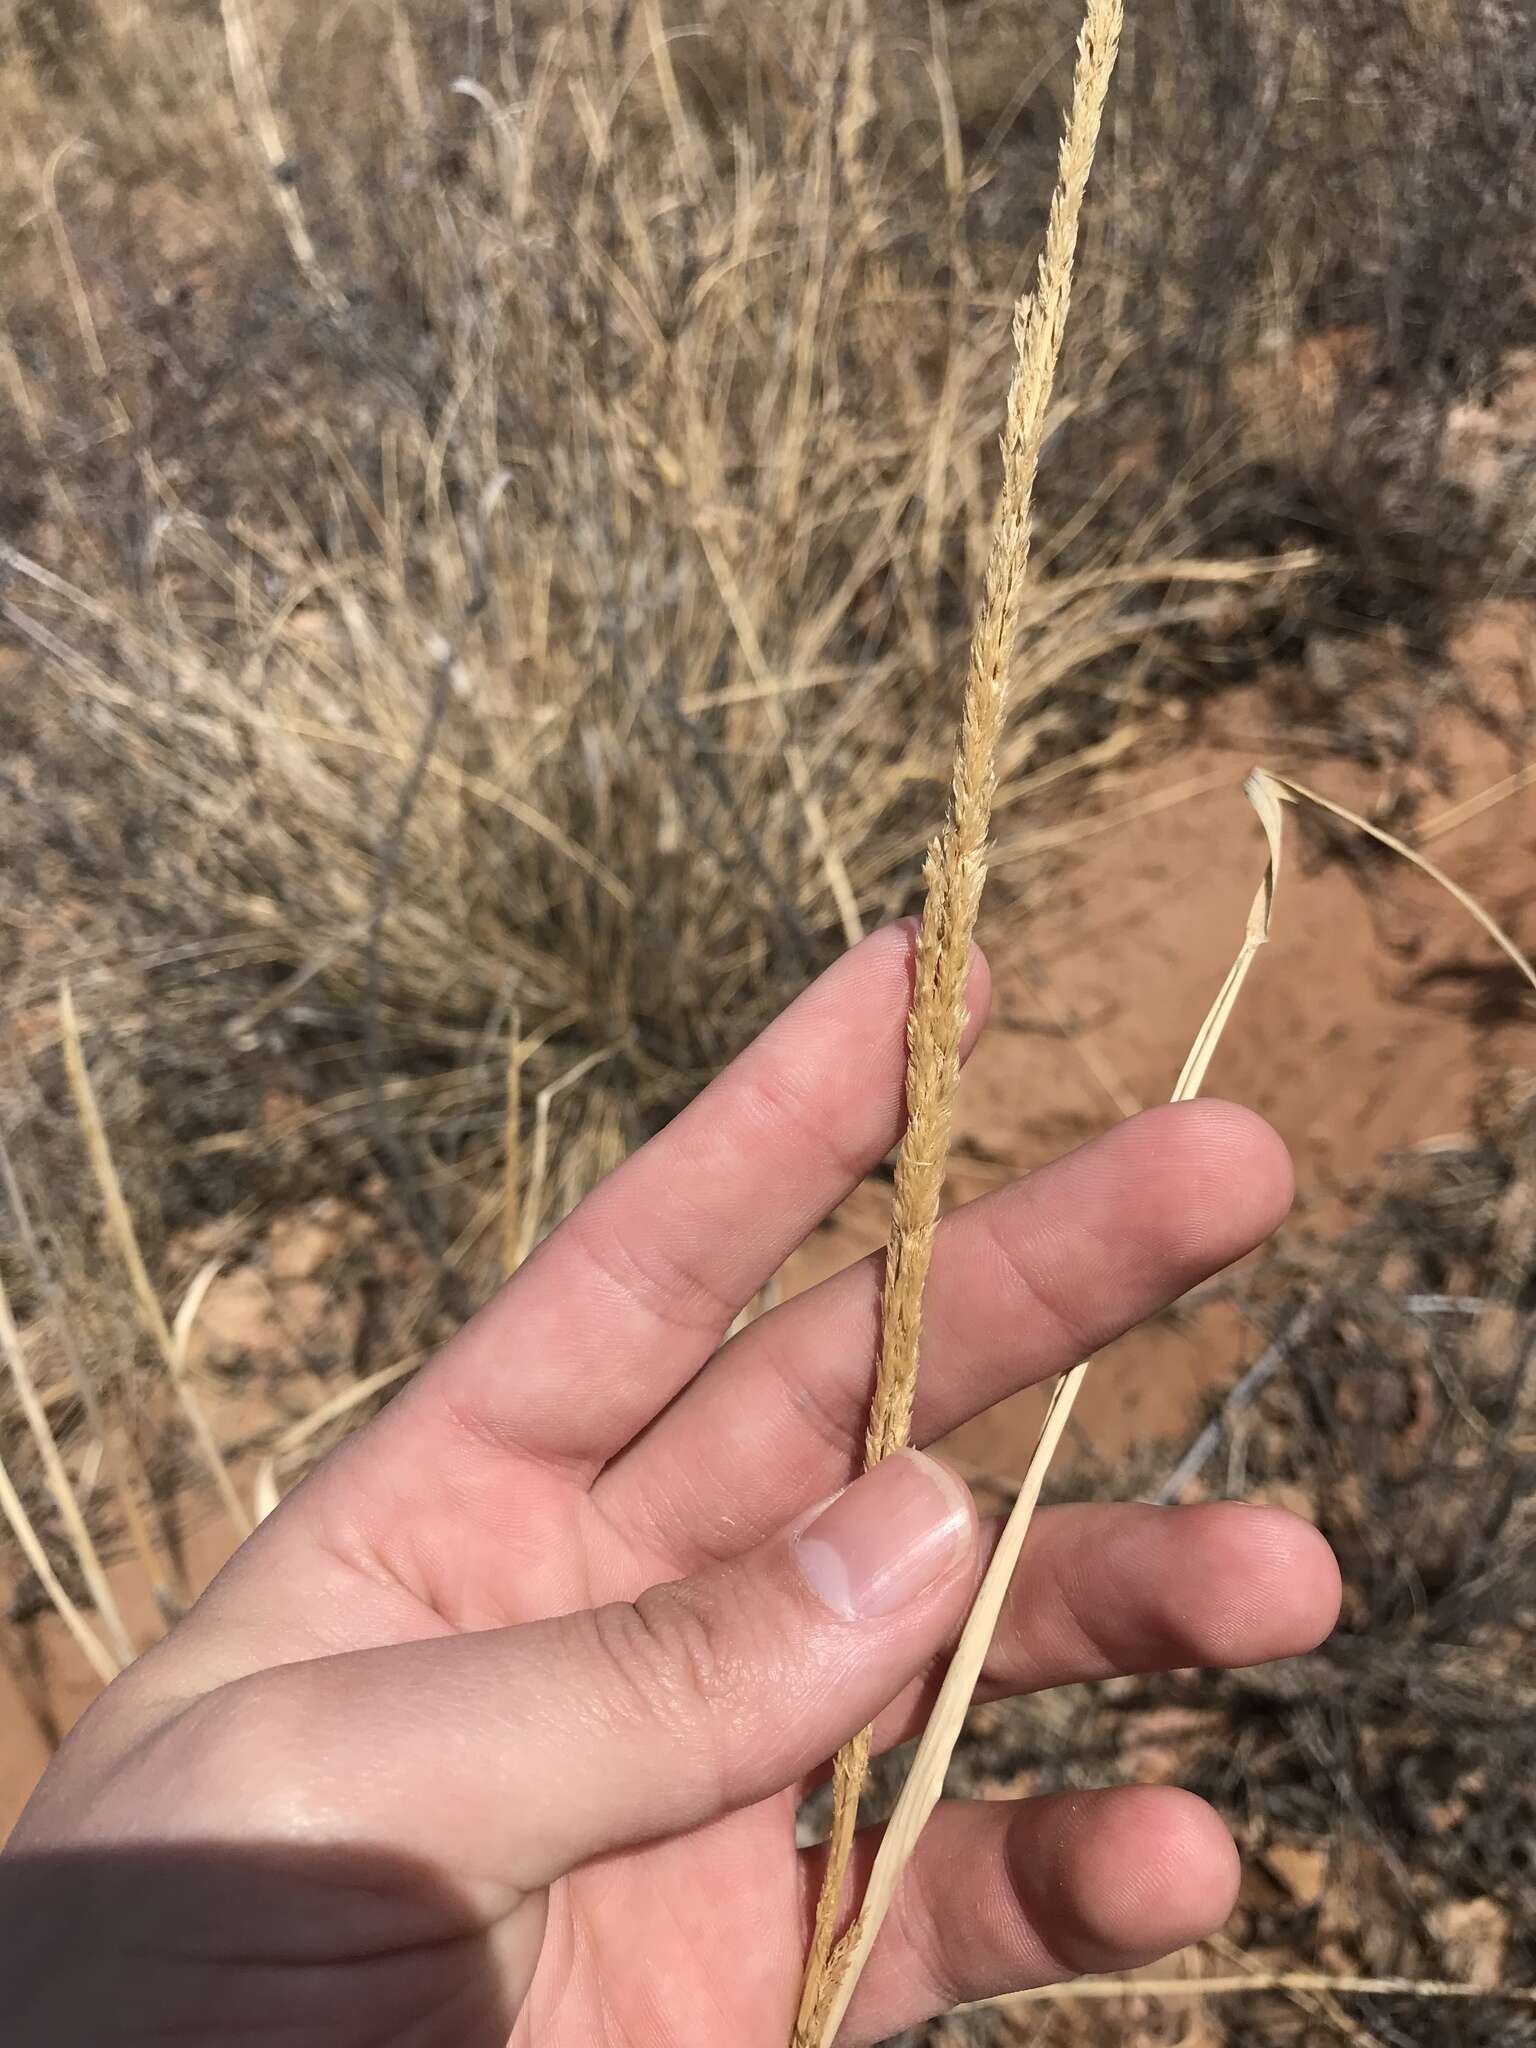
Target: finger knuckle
{"type": "Point", "coordinates": [670, 1652]}
{"type": "Point", "coordinates": [938, 1955]}
{"type": "Point", "coordinates": [1033, 1283]}
{"type": "Point", "coordinates": [675, 1675]}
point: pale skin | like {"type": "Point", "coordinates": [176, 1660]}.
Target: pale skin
{"type": "Point", "coordinates": [496, 1731]}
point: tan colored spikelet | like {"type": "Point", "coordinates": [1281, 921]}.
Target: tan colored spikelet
{"type": "Point", "coordinates": [956, 873]}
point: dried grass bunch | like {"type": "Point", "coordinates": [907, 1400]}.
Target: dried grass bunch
{"type": "Point", "coordinates": [512, 583]}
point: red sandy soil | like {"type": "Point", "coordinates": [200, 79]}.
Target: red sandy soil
{"type": "Point", "coordinates": [1344, 1040]}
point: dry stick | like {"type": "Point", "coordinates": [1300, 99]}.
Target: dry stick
{"type": "Point", "coordinates": [925, 1781]}
{"type": "Point", "coordinates": [1290, 1981]}
{"type": "Point", "coordinates": [956, 871]}
{"type": "Point", "coordinates": [120, 1224]}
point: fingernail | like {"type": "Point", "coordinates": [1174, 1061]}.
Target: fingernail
{"type": "Point", "coordinates": [887, 1539]}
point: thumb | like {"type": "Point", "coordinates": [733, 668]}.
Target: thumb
{"type": "Point", "coordinates": [545, 1745]}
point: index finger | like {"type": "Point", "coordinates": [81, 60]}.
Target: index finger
{"type": "Point", "coordinates": [630, 1297]}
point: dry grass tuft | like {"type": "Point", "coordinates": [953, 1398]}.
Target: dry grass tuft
{"type": "Point", "coordinates": [546, 654]}
{"type": "Point", "coordinates": [572, 622]}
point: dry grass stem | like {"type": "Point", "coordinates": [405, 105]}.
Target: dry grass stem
{"type": "Point", "coordinates": [1296, 792]}
{"type": "Point", "coordinates": [121, 1463]}
{"type": "Point", "coordinates": [60, 1487]}
{"type": "Point", "coordinates": [1051, 838]}
{"type": "Point", "coordinates": [191, 1307]}
{"type": "Point", "coordinates": [1099, 1069]}
{"type": "Point", "coordinates": [250, 83]}
{"type": "Point", "coordinates": [512, 1163]}
{"type": "Point", "coordinates": [79, 298]}
{"type": "Point", "coordinates": [533, 1203]}
{"type": "Point", "coordinates": [95, 1652]}
{"type": "Point", "coordinates": [1292, 1982]}
{"type": "Point", "coordinates": [956, 873]}
{"type": "Point", "coordinates": [1477, 806]}
{"type": "Point", "coordinates": [120, 1224]}
{"type": "Point", "coordinates": [925, 1780]}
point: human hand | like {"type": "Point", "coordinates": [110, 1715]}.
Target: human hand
{"type": "Point", "coordinates": [496, 1730]}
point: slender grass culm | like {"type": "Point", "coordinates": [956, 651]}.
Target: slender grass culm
{"type": "Point", "coordinates": [955, 874]}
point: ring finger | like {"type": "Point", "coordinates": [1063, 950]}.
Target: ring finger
{"type": "Point", "coordinates": [1007, 1896]}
